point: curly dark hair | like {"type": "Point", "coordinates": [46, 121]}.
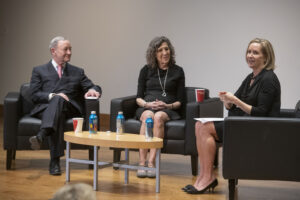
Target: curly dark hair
{"type": "Point", "coordinates": [152, 49]}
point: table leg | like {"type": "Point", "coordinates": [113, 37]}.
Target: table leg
{"type": "Point", "coordinates": [67, 162]}
{"type": "Point", "coordinates": [127, 162]}
{"type": "Point", "coordinates": [157, 168]}
{"type": "Point", "coordinates": [95, 168]}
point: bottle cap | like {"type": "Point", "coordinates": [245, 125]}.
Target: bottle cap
{"type": "Point", "coordinates": [93, 112]}
{"type": "Point", "coordinates": [120, 112]}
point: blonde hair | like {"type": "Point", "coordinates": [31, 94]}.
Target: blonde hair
{"type": "Point", "coordinates": [267, 50]}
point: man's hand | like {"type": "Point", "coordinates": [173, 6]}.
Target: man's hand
{"type": "Point", "coordinates": [63, 96]}
{"type": "Point", "coordinates": [92, 93]}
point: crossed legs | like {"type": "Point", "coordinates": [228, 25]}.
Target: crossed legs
{"type": "Point", "coordinates": [53, 119]}
{"type": "Point", "coordinates": [206, 148]}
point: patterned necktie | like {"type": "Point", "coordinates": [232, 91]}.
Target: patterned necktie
{"type": "Point", "coordinates": [59, 70]}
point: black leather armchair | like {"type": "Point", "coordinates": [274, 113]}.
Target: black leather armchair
{"type": "Point", "coordinates": [179, 134]}
{"type": "Point", "coordinates": [261, 148]}
{"type": "Point", "coordinates": [19, 126]}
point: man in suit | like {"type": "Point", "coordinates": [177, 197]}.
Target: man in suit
{"type": "Point", "coordinates": [57, 90]}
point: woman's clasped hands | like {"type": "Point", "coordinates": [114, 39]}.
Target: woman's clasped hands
{"type": "Point", "coordinates": [157, 105]}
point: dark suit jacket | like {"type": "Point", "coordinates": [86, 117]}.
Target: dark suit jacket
{"type": "Point", "coordinates": [73, 83]}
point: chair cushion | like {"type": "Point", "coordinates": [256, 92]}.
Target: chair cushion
{"type": "Point", "coordinates": [29, 126]}
{"type": "Point", "coordinates": [132, 126]}
{"type": "Point", "coordinates": [174, 129]}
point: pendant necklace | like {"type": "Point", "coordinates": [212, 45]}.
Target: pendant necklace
{"type": "Point", "coordinates": [164, 94]}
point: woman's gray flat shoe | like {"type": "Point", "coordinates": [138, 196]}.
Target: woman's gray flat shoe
{"type": "Point", "coordinates": [151, 173]}
{"type": "Point", "coordinates": [141, 173]}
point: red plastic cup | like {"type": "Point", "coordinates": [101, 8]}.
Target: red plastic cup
{"type": "Point", "coordinates": [199, 93]}
{"type": "Point", "coordinates": [77, 124]}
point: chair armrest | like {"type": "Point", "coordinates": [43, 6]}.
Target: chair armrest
{"type": "Point", "coordinates": [89, 106]}
{"type": "Point", "coordinates": [126, 104]}
{"type": "Point", "coordinates": [212, 107]}
{"type": "Point", "coordinates": [261, 148]}
{"type": "Point", "coordinates": [12, 109]}
{"type": "Point", "coordinates": [287, 113]}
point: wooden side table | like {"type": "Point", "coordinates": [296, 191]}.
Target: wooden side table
{"type": "Point", "coordinates": [111, 139]}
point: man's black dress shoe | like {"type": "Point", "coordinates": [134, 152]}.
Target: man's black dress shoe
{"type": "Point", "coordinates": [54, 168]}
{"type": "Point", "coordinates": [211, 187]}
{"type": "Point", "coordinates": [36, 141]}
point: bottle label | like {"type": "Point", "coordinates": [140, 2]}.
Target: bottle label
{"type": "Point", "coordinates": [93, 123]}
{"type": "Point", "coordinates": [149, 129]}
{"type": "Point", "coordinates": [120, 124]}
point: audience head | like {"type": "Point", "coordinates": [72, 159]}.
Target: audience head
{"type": "Point", "coordinates": [267, 51]}
{"type": "Point", "coordinates": [152, 51]}
{"type": "Point", "coordinates": [60, 49]}
{"type": "Point", "coordinates": [78, 191]}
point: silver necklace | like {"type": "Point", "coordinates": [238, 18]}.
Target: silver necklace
{"type": "Point", "coordinates": [164, 94]}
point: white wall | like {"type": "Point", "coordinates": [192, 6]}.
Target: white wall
{"type": "Point", "coordinates": [110, 37]}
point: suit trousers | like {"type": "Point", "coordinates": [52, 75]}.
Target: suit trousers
{"type": "Point", "coordinates": [53, 121]}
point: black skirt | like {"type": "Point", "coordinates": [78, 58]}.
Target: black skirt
{"type": "Point", "coordinates": [173, 115]}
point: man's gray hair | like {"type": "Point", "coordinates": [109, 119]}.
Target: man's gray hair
{"type": "Point", "coordinates": [54, 41]}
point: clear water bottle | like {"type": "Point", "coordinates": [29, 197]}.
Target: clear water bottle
{"type": "Point", "coordinates": [120, 123]}
{"type": "Point", "coordinates": [149, 128]}
{"type": "Point", "coordinates": [93, 122]}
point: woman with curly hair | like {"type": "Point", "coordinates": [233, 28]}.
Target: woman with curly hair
{"type": "Point", "coordinates": [160, 94]}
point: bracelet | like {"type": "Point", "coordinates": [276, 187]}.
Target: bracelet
{"type": "Point", "coordinates": [172, 106]}
{"type": "Point", "coordinates": [144, 106]}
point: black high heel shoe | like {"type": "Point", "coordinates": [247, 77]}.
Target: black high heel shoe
{"type": "Point", "coordinates": [187, 187]}
{"type": "Point", "coordinates": [210, 187]}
